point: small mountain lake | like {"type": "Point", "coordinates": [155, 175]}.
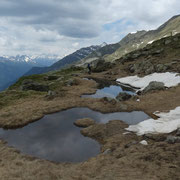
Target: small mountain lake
{"type": "Point", "coordinates": [56, 138]}
{"type": "Point", "coordinates": [109, 89]}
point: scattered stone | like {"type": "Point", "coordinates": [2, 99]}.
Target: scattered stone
{"type": "Point", "coordinates": [51, 93]}
{"type": "Point", "coordinates": [154, 85]}
{"type": "Point", "coordinates": [72, 82]}
{"type": "Point", "coordinates": [142, 67]}
{"type": "Point", "coordinates": [107, 151]}
{"type": "Point", "coordinates": [110, 100]}
{"type": "Point", "coordinates": [168, 41]}
{"type": "Point", "coordinates": [130, 144]}
{"type": "Point", "coordinates": [156, 138]}
{"type": "Point", "coordinates": [144, 142]}
{"type": "Point", "coordinates": [59, 79]}
{"type": "Point", "coordinates": [157, 51]}
{"type": "Point", "coordinates": [173, 139]}
{"type": "Point", "coordinates": [150, 70]}
{"type": "Point", "coordinates": [178, 132]}
{"type": "Point", "coordinates": [123, 96]}
{"type": "Point", "coordinates": [139, 92]}
{"type": "Point", "coordinates": [162, 67]}
{"type": "Point", "coordinates": [86, 122]}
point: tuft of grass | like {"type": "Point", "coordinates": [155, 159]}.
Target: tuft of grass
{"type": "Point", "coordinates": [9, 97]}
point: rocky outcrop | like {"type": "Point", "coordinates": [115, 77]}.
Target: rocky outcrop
{"type": "Point", "coordinates": [173, 139]}
{"type": "Point", "coordinates": [147, 67]}
{"type": "Point", "coordinates": [100, 65]}
{"type": "Point", "coordinates": [86, 122]}
{"type": "Point", "coordinates": [154, 85]}
{"type": "Point", "coordinates": [162, 67]}
{"type": "Point", "coordinates": [123, 96]}
{"type": "Point", "coordinates": [29, 84]}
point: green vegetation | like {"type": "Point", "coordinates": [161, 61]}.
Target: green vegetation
{"type": "Point", "coordinates": [14, 93]}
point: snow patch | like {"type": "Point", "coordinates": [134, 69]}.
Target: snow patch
{"type": "Point", "coordinates": [169, 80]}
{"type": "Point", "coordinates": [150, 42]}
{"type": "Point", "coordinates": [167, 123]}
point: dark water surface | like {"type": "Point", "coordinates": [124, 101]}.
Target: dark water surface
{"type": "Point", "coordinates": [55, 138]}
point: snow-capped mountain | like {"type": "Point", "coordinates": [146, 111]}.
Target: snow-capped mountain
{"type": "Point", "coordinates": [67, 60]}
{"type": "Point", "coordinates": [36, 60]}
{"type": "Point", "coordinates": [13, 67]}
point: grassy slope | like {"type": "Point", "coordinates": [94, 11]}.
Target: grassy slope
{"type": "Point", "coordinates": [141, 40]}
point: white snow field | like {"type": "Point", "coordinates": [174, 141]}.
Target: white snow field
{"type": "Point", "coordinates": [167, 123]}
{"type": "Point", "coordinates": [169, 80]}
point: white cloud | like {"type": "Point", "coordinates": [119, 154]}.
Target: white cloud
{"type": "Point", "coordinates": [37, 26]}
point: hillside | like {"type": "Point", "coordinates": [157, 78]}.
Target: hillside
{"type": "Point", "coordinates": [98, 54]}
{"type": "Point", "coordinates": [141, 38]}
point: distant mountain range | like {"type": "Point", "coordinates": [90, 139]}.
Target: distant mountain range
{"type": "Point", "coordinates": [38, 60]}
{"type": "Point", "coordinates": [140, 39]}
{"type": "Point", "coordinates": [70, 59]}
{"type": "Point", "coordinates": [112, 52]}
{"type": "Point", "coordinates": [13, 67]}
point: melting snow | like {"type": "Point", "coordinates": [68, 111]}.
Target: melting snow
{"type": "Point", "coordinates": [167, 123]}
{"type": "Point", "coordinates": [150, 42]}
{"type": "Point", "coordinates": [169, 80]}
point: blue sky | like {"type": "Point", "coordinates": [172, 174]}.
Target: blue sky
{"type": "Point", "coordinates": [60, 27]}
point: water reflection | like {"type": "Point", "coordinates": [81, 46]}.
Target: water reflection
{"type": "Point", "coordinates": [112, 91]}
{"type": "Point", "coordinates": [55, 138]}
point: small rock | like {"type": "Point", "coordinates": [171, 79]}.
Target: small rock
{"type": "Point", "coordinates": [130, 144]}
{"type": "Point", "coordinates": [59, 79]}
{"type": "Point", "coordinates": [158, 51]}
{"type": "Point", "coordinates": [107, 151]}
{"type": "Point", "coordinates": [110, 100]}
{"type": "Point", "coordinates": [86, 122]}
{"type": "Point", "coordinates": [173, 139]}
{"type": "Point", "coordinates": [178, 132]}
{"type": "Point", "coordinates": [154, 85]}
{"type": "Point", "coordinates": [167, 42]}
{"type": "Point", "coordinates": [72, 82]}
{"type": "Point", "coordinates": [51, 93]}
{"type": "Point", "coordinates": [161, 67]}
{"type": "Point", "coordinates": [144, 142]}
{"type": "Point", "coordinates": [123, 96]}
